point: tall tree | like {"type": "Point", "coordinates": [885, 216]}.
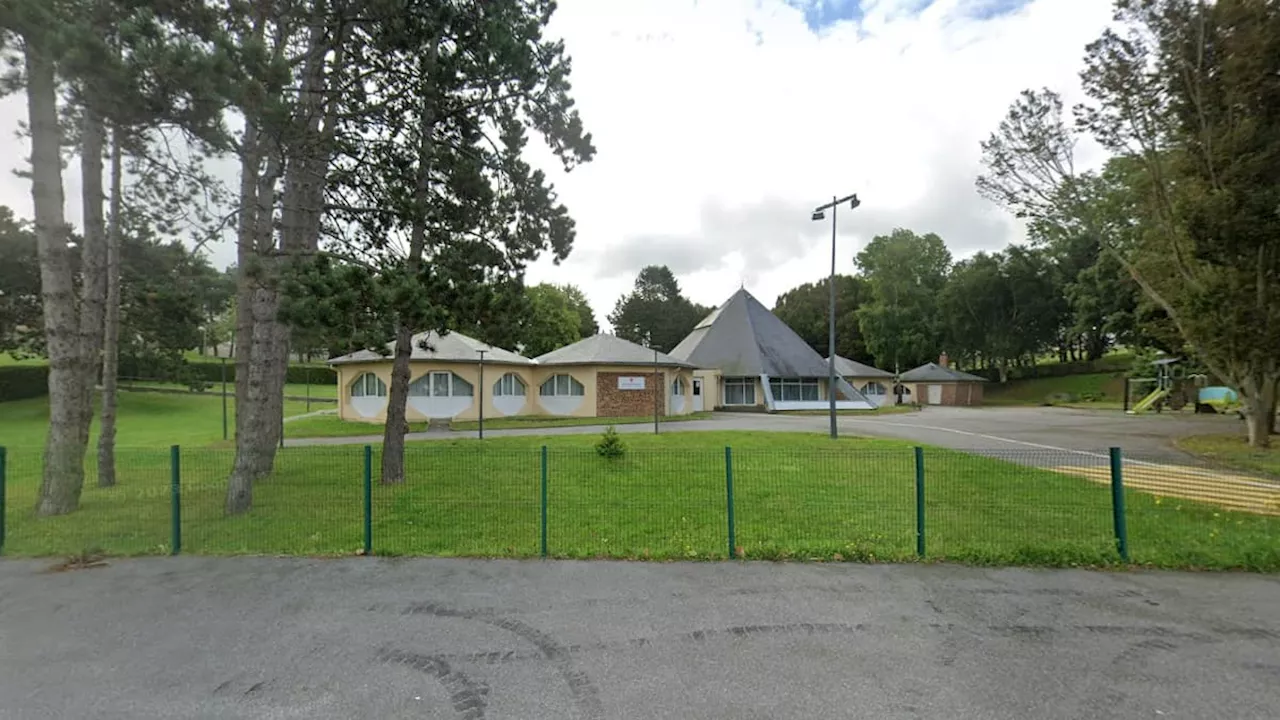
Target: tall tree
{"type": "Point", "coordinates": [804, 309]}
{"type": "Point", "coordinates": [444, 203]}
{"type": "Point", "coordinates": [655, 312]}
{"type": "Point", "coordinates": [906, 272]}
{"type": "Point", "coordinates": [20, 315]}
{"type": "Point", "coordinates": [552, 321]}
{"type": "Point", "coordinates": [587, 325]}
{"type": "Point", "coordinates": [1186, 92]}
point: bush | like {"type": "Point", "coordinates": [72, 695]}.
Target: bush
{"type": "Point", "coordinates": [610, 444]}
{"type": "Point", "coordinates": [19, 382]}
{"type": "Point", "coordinates": [210, 371]}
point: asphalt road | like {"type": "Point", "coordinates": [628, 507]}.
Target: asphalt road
{"type": "Point", "coordinates": [377, 638]}
{"type": "Point", "coordinates": [1027, 430]}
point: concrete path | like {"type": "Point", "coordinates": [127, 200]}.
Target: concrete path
{"type": "Point", "coordinates": [378, 638]}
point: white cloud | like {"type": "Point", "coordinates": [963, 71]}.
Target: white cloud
{"type": "Point", "coordinates": [721, 123]}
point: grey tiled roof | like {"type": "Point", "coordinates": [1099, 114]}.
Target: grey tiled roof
{"type": "Point", "coordinates": [742, 338]}
{"type": "Point", "coordinates": [852, 368]}
{"type": "Point", "coordinates": [606, 350]}
{"type": "Point", "coordinates": [454, 347]}
{"type": "Point", "coordinates": [933, 372]}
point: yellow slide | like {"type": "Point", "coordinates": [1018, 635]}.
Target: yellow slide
{"type": "Point", "coordinates": [1149, 401]}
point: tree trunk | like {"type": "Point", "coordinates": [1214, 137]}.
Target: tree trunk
{"type": "Point", "coordinates": [397, 404]}
{"type": "Point", "coordinates": [111, 327]}
{"type": "Point", "coordinates": [63, 476]}
{"type": "Point", "coordinates": [93, 261]}
{"type": "Point", "coordinates": [397, 401]}
{"type": "Point", "coordinates": [1275, 404]}
{"type": "Point", "coordinates": [1258, 394]}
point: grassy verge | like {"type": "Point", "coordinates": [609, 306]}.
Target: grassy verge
{"type": "Point", "coordinates": [1233, 451]}
{"type": "Point", "coordinates": [1097, 390]}
{"type": "Point", "coordinates": [795, 496]}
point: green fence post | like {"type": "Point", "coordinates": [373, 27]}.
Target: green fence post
{"type": "Point", "coordinates": [175, 498]}
{"type": "Point", "coordinates": [368, 499]}
{"type": "Point", "coordinates": [728, 490]}
{"type": "Point", "coordinates": [3, 493]}
{"type": "Point", "coordinates": [920, 502]}
{"type": "Point", "coordinates": [1117, 504]}
{"type": "Point", "coordinates": [544, 501]}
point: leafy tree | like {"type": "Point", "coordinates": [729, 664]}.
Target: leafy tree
{"type": "Point", "coordinates": [906, 272]}
{"type": "Point", "coordinates": [1185, 93]}
{"type": "Point", "coordinates": [20, 318]}
{"type": "Point", "coordinates": [552, 321]}
{"type": "Point", "coordinates": [804, 309]}
{"type": "Point", "coordinates": [587, 325]}
{"type": "Point", "coordinates": [655, 312]}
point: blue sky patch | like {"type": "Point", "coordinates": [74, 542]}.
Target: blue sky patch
{"type": "Point", "coordinates": [822, 14]}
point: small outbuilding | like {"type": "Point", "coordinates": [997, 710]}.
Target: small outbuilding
{"type": "Point", "coordinates": [939, 384]}
{"type": "Point", "coordinates": [606, 376]}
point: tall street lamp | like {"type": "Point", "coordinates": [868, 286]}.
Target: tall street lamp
{"type": "Point", "coordinates": [482, 352]}
{"type": "Point", "coordinates": [819, 213]}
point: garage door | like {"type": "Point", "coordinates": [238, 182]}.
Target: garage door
{"type": "Point", "coordinates": [935, 394]}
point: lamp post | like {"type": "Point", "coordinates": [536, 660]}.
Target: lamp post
{"type": "Point", "coordinates": [224, 398]}
{"type": "Point", "coordinates": [482, 352]}
{"type": "Point", "coordinates": [819, 213]}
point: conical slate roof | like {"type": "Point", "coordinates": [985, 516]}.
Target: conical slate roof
{"type": "Point", "coordinates": [742, 338]}
{"type": "Point", "coordinates": [605, 349]}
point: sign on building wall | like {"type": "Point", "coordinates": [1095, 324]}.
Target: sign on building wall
{"type": "Point", "coordinates": [631, 383]}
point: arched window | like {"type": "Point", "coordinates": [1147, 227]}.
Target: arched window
{"type": "Point", "coordinates": [874, 388]}
{"type": "Point", "coordinates": [561, 386]}
{"type": "Point", "coordinates": [509, 385]}
{"type": "Point", "coordinates": [677, 387]}
{"type": "Point", "coordinates": [368, 385]}
{"type": "Point", "coordinates": [440, 384]}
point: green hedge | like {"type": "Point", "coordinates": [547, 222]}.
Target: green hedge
{"type": "Point", "coordinates": [19, 382]}
{"type": "Point", "coordinates": [297, 374]}
{"type": "Point", "coordinates": [1108, 364]}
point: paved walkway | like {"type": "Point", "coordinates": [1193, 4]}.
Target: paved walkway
{"type": "Point", "coordinates": [235, 638]}
{"type": "Point", "coordinates": [1226, 489]}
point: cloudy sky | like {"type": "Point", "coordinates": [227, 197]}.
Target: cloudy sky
{"type": "Point", "coordinates": [720, 124]}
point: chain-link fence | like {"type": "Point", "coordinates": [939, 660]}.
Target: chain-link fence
{"type": "Point", "coordinates": [998, 507]}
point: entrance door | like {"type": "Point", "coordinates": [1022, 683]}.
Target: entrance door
{"type": "Point", "coordinates": [935, 394]}
{"type": "Point", "coordinates": [697, 394]}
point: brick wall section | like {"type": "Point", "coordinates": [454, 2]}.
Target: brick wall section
{"type": "Point", "coordinates": [968, 394]}
{"type": "Point", "coordinates": [612, 402]}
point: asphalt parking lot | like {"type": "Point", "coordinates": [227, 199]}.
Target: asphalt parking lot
{"type": "Point", "coordinates": [1007, 429]}
{"type": "Point", "coordinates": [382, 638]}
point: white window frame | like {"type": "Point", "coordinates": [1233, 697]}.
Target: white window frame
{"type": "Point", "coordinates": [797, 388]}
{"type": "Point", "coordinates": [748, 389]}
{"type": "Point", "coordinates": [677, 387]}
{"type": "Point", "coordinates": [571, 385]}
{"type": "Point", "coordinates": [362, 383]}
{"type": "Point", "coordinates": [451, 390]}
{"type": "Point", "coordinates": [875, 388]}
{"type": "Point", "coordinates": [510, 385]}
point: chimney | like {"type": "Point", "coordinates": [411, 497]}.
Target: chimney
{"type": "Point", "coordinates": [942, 360]}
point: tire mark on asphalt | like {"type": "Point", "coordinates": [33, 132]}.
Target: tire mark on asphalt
{"type": "Point", "coordinates": [584, 692]}
{"type": "Point", "coordinates": [467, 696]}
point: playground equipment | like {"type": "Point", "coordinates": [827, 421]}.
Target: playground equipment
{"type": "Point", "coordinates": [1217, 399]}
{"type": "Point", "coordinates": [1166, 390]}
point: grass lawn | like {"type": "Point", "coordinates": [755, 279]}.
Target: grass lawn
{"type": "Point", "coordinates": [1234, 451]}
{"type": "Point", "coordinates": [795, 496]}
{"type": "Point", "coordinates": [1106, 388]}
{"type": "Point", "coordinates": [152, 420]}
